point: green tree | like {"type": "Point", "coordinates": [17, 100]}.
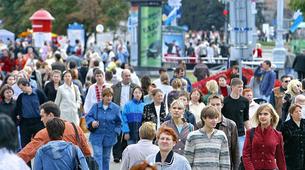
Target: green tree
{"type": "Point", "coordinates": [202, 14]}
{"type": "Point", "coordinates": [16, 13]}
{"type": "Point", "coordinates": [298, 4]}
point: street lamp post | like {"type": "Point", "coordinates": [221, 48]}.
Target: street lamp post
{"type": "Point", "coordinates": [279, 52]}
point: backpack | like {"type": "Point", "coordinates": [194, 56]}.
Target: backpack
{"type": "Point", "coordinates": [202, 51]}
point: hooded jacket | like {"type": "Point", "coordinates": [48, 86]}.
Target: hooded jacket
{"type": "Point", "coordinates": [59, 155]}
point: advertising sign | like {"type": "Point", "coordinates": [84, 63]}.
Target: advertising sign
{"type": "Point", "coordinates": [172, 43]}
{"type": "Point", "coordinates": [150, 36]}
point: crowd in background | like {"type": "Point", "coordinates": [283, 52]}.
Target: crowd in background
{"type": "Point", "coordinates": [49, 94]}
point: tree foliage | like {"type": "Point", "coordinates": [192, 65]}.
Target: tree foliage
{"type": "Point", "coordinates": [202, 14]}
{"type": "Point", "coordinates": [16, 13]}
{"type": "Point", "coordinates": [298, 4]}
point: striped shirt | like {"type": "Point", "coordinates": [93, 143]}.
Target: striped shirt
{"type": "Point", "coordinates": [203, 152]}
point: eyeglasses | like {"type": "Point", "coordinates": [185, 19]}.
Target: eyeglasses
{"type": "Point", "coordinates": [287, 81]}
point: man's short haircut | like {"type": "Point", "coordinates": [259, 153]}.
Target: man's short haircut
{"type": "Point", "coordinates": [50, 107]}
{"type": "Point", "coordinates": [72, 65]}
{"type": "Point", "coordinates": [8, 135]}
{"type": "Point", "coordinates": [178, 70]}
{"type": "Point", "coordinates": [55, 128]}
{"type": "Point", "coordinates": [209, 112]}
{"type": "Point", "coordinates": [23, 81]}
{"type": "Point", "coordinates": [168, 131]}
{"type": "Point", "coordinates": [268, 62]}
{"type": "Point", "coordinates": [162, 70]}
{"type": "Point", "coordinates": [286, 76]}
{"type": "Point", "coordinates": [147, 131]}
{"type": "Point", "coordinates": [214, 96]}
{"type": "Point", "coordinates": [57, 56]}
{"type": "Point", "coordinates": [98, 71]}
{"type": "Point", "coordinates": [56, 72]}
{"type": "Point", "coordinates": [236, 81]}
{"type": "Point", "coordinates": [108, 75]}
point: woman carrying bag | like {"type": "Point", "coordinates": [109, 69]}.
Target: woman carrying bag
{"type": "Point", "coordinates": [265, 150]}
{"type": "Point", "coordinates": [104, 122]}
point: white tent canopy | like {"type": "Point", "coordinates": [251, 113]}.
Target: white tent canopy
{"type": "Point", "coordinates": [6, 35]}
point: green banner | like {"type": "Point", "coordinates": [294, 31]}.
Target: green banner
{"type": "Point", "coordinates": [150, 36]}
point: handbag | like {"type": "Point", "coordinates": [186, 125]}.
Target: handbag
{"type": "Point", "coordinates": [95, 116]}
{"type": "Point", "coordinates": [92, 164]}
{"type": "Point", "coordinates": [241, 165]}
{"type": "Point", "coordinates": [82, 120]}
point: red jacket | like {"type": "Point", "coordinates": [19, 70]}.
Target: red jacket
{"type": "Point", "coordinates": [7, 63]}
{"type": "Point", "coordinates": [266, 151]}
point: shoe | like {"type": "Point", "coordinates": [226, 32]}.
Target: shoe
{"type": "Point", "coordinates": [116, 160]}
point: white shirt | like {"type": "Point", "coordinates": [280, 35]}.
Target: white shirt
{"type": "Point", "coordinates": [90, 98]}
{"type": "Point", "coordinates": [165, 88]}
{"type": "Point", "coordinates": [124, 94]}
{"type": "Point", "coordinates": [157, 82]}
{"type": "Point", "coordinates": [196, 109]}
{"type": "Point", "coordinates": [252, 109]}
{"type": "Point", "coordinates": [11, 161]}
{"type": "Point", "coordinates": [158, 108]}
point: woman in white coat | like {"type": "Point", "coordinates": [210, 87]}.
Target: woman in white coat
{"type": "Point", "coordinates": [68, 99]}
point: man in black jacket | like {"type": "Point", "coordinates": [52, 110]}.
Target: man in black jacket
{"type": "Point", "coordinates": [27, 110]}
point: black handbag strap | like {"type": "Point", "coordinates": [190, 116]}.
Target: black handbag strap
{"type": "Point", "coordinates": [76, 134]}
{"type": "Point", "coordinates": [252, 131]}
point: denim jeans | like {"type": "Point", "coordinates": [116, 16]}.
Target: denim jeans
{"type": "Point", "coordinates": [241, 141]}
{"type": "Point", "coordinates": [102, 156]}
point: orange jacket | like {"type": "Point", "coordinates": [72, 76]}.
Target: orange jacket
{"type": "Point", "coordinates": [42, 137]}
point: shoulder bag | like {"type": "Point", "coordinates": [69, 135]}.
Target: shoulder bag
{"type": "Point", "coordinates": [92, 164]}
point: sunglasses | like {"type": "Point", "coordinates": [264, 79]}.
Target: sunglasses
{"type": "Point", "coordinates": [287, 81]}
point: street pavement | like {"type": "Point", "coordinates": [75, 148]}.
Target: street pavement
{"type": "Point", "coordinates": [115, 166]}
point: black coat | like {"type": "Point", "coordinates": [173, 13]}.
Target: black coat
{"type": "Point", "coordinates": [294, 144]}
{"type": "Point", "coordinates": [298, 63]}
{"type": "Point", "coordinates": [150, 113]}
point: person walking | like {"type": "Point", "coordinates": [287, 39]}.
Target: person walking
{"type": "Point", "coordinates": [104, 121]}
{"type": "Point", "coordinates": [68, 99]}
{"type": "Point", "coordinates": [294, 139]}
{"type": "Point", "coordinates": [265, 150]}
{"type": "Point", "coordinates": [57, 153]}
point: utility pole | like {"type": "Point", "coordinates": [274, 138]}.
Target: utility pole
{"type": "Point", "coordinates": [279, 52]}
{"type": "Point", "coordinates": [242, 24]}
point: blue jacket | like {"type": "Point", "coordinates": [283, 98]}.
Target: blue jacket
{"type": "Point", "coordinates": [58, 155]}
{"type": "Point", "coordinates": [132, 118]}
{"type": "Point", "coordinates": [110, 122]}
{"type": "Point", "coordinates": [267, 82]}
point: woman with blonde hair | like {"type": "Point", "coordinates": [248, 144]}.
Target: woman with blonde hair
{"type": "Point", "coordinates": [212, 87]}
{"type": "Point", "coordinates": [294, 88]}
{"type": "Point", "coordinates": [179, 124]}
{"type": "Point", "coordinates": [264, 147]}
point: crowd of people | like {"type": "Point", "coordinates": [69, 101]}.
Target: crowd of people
{"type": "Point", "coordinates": [164, 122]}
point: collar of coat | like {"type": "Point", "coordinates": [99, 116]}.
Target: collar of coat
{"type": "Point", "coordinates": [168, 161]}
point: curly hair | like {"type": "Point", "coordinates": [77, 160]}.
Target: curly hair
{"type": "Point", "coordinates": [291, 84]}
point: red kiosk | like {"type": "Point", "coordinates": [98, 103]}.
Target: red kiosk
{"type": "Point", "coordinates": [42, 27]}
